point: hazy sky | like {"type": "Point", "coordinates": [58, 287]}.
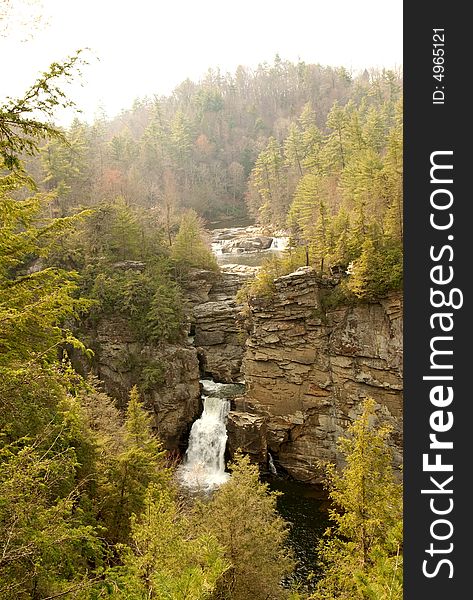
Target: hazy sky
{"type": "Point", "coordinates": [150, 46]}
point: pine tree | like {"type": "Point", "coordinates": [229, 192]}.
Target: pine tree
{"type": "Point", "coordinates": [377, 270]}
{"type": "Point", "coordinates": [337, 145]}
{"type": "Point", "coordinates": [129, 474]}
{"type": "Point", "coordinates": [26, 122]}
{"type": "Point", "coordinates": [166, 560]}
{"type": "Point", "coordinates": [243, 517]}
{"type": "Point", "coordinates": [361, 554]}
{"type": "Point", "coordinates": [47, 542]}
{"type": "Point", "coordinates": [189, 248]}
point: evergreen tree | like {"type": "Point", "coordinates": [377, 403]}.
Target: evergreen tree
{"type": "Point", "coordinates": [361, 554]}
{"type": "Point", "coordinates": [129, 474]}
{"type": "Point", "coordinates": [242, 515]}
{"type": "Point", "coordinates": [45, 546]}
{"type": "Point", "coordinates": [189, 248]}
{"type": "Point", "coordinates": [377, 270]}
{"type": "Point", "coordinates": [165, 559]}
{"type": "Point", "coordinates": [25, 122]}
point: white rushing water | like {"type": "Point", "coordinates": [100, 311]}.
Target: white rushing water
{"type": "Point", "coordinates": [272, 466]}
{"type": "Point", "coordinates": [204, 465]}
{"type": "Point", "coordinates": [255, 257]}
{"type": "Point", "coordinates": [279, 243]}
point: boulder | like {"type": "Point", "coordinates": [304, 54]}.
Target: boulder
{"type": "Point", "coordinates": [248, 244]}
{"type": "Point", "coordinates": [247, 432]}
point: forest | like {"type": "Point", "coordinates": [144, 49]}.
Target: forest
{"type": "Point", "coordinates": [89, 505]}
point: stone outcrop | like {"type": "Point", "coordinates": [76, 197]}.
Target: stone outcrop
{"type": "Point", "coordinates": [307, 370]}
{"type": "Point", "coordinates": [247, 431]}
{"type": "Point", "coordinates": [215, 321]}
{"type": "Point", "coordinates": [167, 375]}
{"type": "Point", "coordinates": [218, 334]}
{"type": "Point", "coordinates": [248, 244]}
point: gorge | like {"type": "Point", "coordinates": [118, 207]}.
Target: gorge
{"type": "Point", "coordinates": [306, 362]}
{"type": "Point", "coordinates": [174, 381]}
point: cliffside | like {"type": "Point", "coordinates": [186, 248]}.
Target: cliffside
{"type": "Point", "coordinates": [306, 367]}
{"type": "Point", "coordinates": [167, 375]}
{"type": "Point", "coordinates": [214, 316]}
{"type": "Point", "coordinates": [307, 370]}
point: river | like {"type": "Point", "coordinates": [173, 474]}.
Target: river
{"type": "Point", "coordinates": [250, 246]}
{"type": "Point", "coordinates": [304, 507]}
{"type": "Point", "coordinates": [203, 469]}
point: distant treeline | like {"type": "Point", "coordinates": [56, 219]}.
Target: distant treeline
{"type": "Point", "coordinates": [197, 147]}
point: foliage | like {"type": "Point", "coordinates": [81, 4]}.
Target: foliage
{"type": "Point", "coordinates": [242, 516]}
{"type": "Point", "coordinates": [47, 539]}
{"type": "Point", "coordinates": [377, 271]}
{"type": "Point", "coordinates": [152, 374]}
{"type": "Point", "coordinates": [138, 464]}
{"type": "Point", "coordinates": [342, 188]}
{"type": "Point", "coordinates": [87, 504]}
{"type": "Point", "coordinates": [25, 122]}
{"type": "Point", "coordinates": [272, 268]}
{"type": "Point", "coordinates": [150, 300]}
{"type": "Point", "coordinates": [196, 147]}
{"type": "Point", "coordinates": [361, 554]}
{"type": "Point", "coordinates": [33, 303]}
{"type": "Point", "coordinates": [38, 306]}
{"type": "Point", "coordinates": [124, 267]}
{"type": "Point", "coordinates": [165, 559]}
{"type": "Point", "coordinates": [189, 248]}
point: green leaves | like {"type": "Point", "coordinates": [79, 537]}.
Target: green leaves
{"type": "Point", "coordinates": [25, 122]}
{"type": "Point", "coordinates": [242, 516]}
{"type": "Point", "coordinates": [166, 559]}
{"type": "Point", "coordinates": [361, 555]}
{"type": "Point", "coordinates": [336, 189]}
{"type": "Point", "coordinates": [44, 542]}
{"type": "Point", "coordinates": [189, 247]}
{"type": "Point", "coordinates": [377, 271]}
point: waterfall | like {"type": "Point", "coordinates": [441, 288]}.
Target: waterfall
{"type": "Point", "coordinates": [204, 465]}
{"type": "Point", "coordinates": [279, 243]}
{"type": "Point", "coordinates": [272, 466]}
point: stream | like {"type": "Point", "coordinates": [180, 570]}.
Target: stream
{"type": "Point", "coordinates": [304, 508]}
{"type": "Point", "coordinates": [246, 245]}
{"type": "Point", "coordinates": [203, 469]}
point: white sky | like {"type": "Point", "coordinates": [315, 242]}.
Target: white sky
{"type": "Point", "coordinates": [149, 46]}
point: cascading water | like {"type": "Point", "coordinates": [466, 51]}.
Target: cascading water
{"type": "Point", "coordinates": [272, 466]}
{"type": "Point", "coordinates": [279, 243]}
{"type": "Point", "coordinates": [204, 465]}
{"type": "Point", "coordinates": [227, 253]}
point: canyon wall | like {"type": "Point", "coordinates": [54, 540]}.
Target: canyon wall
{"type": "Point", "coordinates": [308, 366]}
{"type": "Point", "coordinates": [308, 361]}
{"type": "Point", "coordinates": [167, 376]}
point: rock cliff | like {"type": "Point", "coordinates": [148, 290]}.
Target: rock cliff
{"type": "Point", "coordinates": [307, 362]}
{"type": "Point", "coordinates": [308, 368]}
{"type": "Point", "coordinates": [167, 376]}
{"type": "Point", "coordinates": [214, 320]}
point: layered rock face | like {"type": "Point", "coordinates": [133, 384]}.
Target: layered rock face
{"type": "Point", "coordinates": [307, 370]}
{"type": "Point", "coordinates": [168, 377]}
{"type": "Point", "coordinates": [168, 374]}
{"type": "Point", "coordinates": [215, 322]}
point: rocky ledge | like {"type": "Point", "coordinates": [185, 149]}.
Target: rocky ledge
{"type": "Point", "coordinates": [308, 369]}
{"type": "Point", "coordinates": [215, 321]}
{"type": "Point", "coordinates": [166, 374]}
